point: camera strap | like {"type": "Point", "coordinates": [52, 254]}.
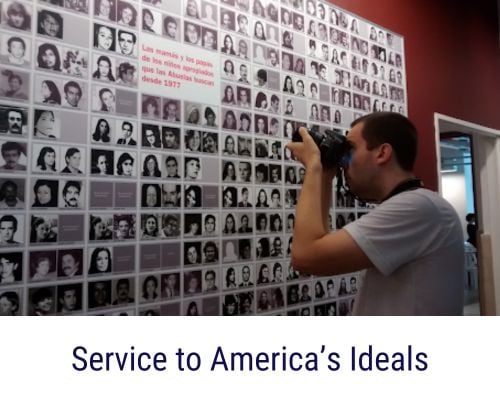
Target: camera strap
{"type": "Point", "coordinates": [410, 184]}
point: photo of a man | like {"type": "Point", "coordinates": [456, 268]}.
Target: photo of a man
{"type": "Point", "coordinates": [10, 195]}
{"type": "Point", "coordinates": [8, 229]}
{"type": "Point", "coordinates": [127, 131]}
{"type": "Point", "coordinates": [16, 53]}
{"type": "Point", "coordinates": [11, 154]}
{"type": "Point", "coordinates": [13, 121]}
{"type": "Point", "coordinates": [126, 43]}
{"type": "Point", "coordinates": [71, 194]}
{"type": "Point", "coordinates": [72, 94]}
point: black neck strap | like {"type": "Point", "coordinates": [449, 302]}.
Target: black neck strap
{"type": "Point", "coordinates": [410, 184]}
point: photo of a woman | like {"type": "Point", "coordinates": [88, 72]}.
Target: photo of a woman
{"type": "Point", "coordinates": [100, 261]}
{"type": "Point", "coordinates": [126, 14]}
{"type": "Point", "coordinates": [100, 228]}
{"type": "Point", "coordinates": [46, 161]}
{"type": "Point", "coordinates": [18, 17]}
{"type": "Point", "coordinates": [44, 127]}
{"type": "Point", "coordinates": [150, 167]}
{"type": "Point", "coordinates": [104, 37]}
{"type": "Point", "coordinates": [48, 57]}
{"type": "Point", "coordinates": [102, 131]}
{"type": "Point", "coordinates": [50, 93]}
{"type": "Point", "coordinates": [150, 289]}
{"type": "Point", "coordinates": [102, 162]}
{"type": "Point", "coordinates": [125, 165]}
{"type": "Point", "coordinates": [150, 226]}
{"type": "Point", "coordinates": [104, 70]}
{"type": "Point", "coordinates": [45, 193]}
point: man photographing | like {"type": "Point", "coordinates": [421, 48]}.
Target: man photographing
{"type": "Point", "coordinates": [411, 245]}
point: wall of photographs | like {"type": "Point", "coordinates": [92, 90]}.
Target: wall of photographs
{"type": "Point", "coordinates": [118, 201]}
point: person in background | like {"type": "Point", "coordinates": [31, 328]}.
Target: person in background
{"type": "Point", "coordinates": [471, 229]}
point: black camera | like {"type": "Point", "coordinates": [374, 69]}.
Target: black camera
{"type": "Point", "coordinates": [333, 146]}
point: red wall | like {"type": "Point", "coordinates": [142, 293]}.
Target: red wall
{"type": "Point", "coordinates": [452, 62]}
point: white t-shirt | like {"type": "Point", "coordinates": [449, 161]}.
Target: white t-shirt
{"type": "Point", "coordinates": [415, 241]}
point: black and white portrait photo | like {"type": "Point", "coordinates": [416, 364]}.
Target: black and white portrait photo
{"type": "Point", "coordinates": [16, 15]}
{"type": "Point", "coordinates": [50, 23]}
{"type": "Point", "coordinates": [13, 121]}
{"type": "Point", "coordinates": [15, 50]}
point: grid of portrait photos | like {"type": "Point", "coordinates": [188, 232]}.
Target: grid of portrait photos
{"type": "Point", "coordinates": [115, 201]}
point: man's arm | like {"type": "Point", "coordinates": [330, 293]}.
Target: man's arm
{"type": "Point", "coordinates": [315, 251]}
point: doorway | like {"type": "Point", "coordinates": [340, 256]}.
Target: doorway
{"type": "Point", "coordinates": [457, 185]}
{"type": "Point", "coordinates": [468, 154]}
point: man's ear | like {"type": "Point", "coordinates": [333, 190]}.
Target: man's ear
{"type": "Point", "coordinates": [384, 153]}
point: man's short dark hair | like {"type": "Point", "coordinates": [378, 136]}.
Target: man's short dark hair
{"type": "Point", "coordinates": [71, 151]}
{"type": "Point", "coordinates": [62, 290]}
{"type": "Point", "coordinates": [276, 266]}
{"type": "Point", "coordinates": [6, 184]}
{"type": "Point", "coordinates": [129, 125]}
{"type": "Point", "coordinates": [16, 110]}
{"type": "Point", "coordinates": [15, 39]}
{"type": "Point", "coordinates": [134, 37]}
{"type": "Point", "coordinates": [74, 184]}
{"type": "Point", "coordinates": [209, 272]}
{"type": "Point", "coordinates": [394, 129]}
{"type": "Point", "coordinates": [171, 158]}
{"type": "Point", "coordinates": [9, 218]}
{"type": "Point", "coordinates": [123, 281]}
{"type": "Point", "coordinates": [72, 84]}
{"type": "Point", "coordinates": [9, 146]}
{"type": "Point", "coordinates": [470, 217]}
{"type": "Point", "coordinates": [123, 217]}
{"type": "Point", "coordinates": [170, 102]}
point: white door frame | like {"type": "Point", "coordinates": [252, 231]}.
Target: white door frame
{"type": "Point", "coordinates": [486, 159]}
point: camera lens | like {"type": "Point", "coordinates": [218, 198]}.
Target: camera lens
{"type": "Point", "coordinates": [333, 146]}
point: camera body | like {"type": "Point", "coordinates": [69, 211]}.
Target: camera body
{"type": "Point", "coordinates": [332, 145]}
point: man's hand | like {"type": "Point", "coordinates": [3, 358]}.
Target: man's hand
{"type": "Point", "coordinates": [307, 152]}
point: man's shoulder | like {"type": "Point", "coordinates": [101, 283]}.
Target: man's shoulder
{"type": "Point", "coordinates": [419, 210]}
{"type": "Point", "coordinates": [425, 200]}
{"type": "Point", "coordinates": [419, 213]}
